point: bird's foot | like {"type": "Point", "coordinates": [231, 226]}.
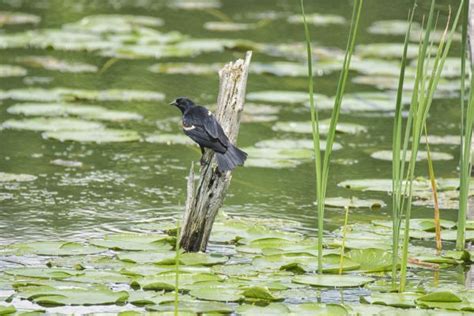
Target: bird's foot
{"type": "Point", "coordinates": [203, 162]}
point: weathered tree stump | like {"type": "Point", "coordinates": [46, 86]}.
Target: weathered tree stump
{"type": "Point", "coordinates": [204, 200]}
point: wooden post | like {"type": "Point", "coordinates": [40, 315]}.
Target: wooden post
{"type": "Point", "coordinates": [204, 200]}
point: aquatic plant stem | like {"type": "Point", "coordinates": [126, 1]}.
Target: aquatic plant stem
{"type": "Point", "coordinates": [176, 284]}
{"type": "Point", "coordinates": [435, 195]}
{"type": "Point", "coordinates": [316, 139]}
{"type": "Point", "coordinates": [397, 174]}
{"type": "Point", "coordinates": [344, 230]}
{"type": "Point", "coordinates": [421, 104]}
{"type": "Point", "coordinates": [466, 135]}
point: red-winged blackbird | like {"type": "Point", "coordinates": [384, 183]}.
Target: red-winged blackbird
{"type": "Point", "coordinates": [201, 126]}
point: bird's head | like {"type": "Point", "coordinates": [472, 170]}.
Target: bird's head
{"type": "Point", "coordinates": [183, 103]}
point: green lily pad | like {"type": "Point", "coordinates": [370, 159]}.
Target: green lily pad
{"type": "Point", "coordinates": [185, 68]}
{"type": "Point", "coordinates": [99, 277]}
{"type": "Point", "coordinates": [361, 102]}
{"type": "Point", "coordinates": [422, 155]}
{"type": "Point", "coordinates": [167, 280]}
{"type": "Point", "coordinates": [260, 293]}
{"type": "Point", "coordinates": [318, 309]}
{"type": "Point", "coordinates": [6, 310]}
{"type": "Point", "coordinates": [16, 177]}
{"type": "Point", "coordinates": [445, 296]}
{"type": "Point", "coordinates": [142, 298]}
{"type": "Point", "coordinates": [150, 242]}
{"type": "Point", "coordinates": [195, 4]}
{"type": "Point", "coordinates": [191, 307]}
{"type": "Point", "coordinates": [52, 124]}
{"type": "Point", "coordinates": [425, 224]}
{"type": "Point", "coordinates": [196, 258]}
{"type": "Point", "coordinates": [68, 94]}
{"type": "Point", "coordinates": [271, 309]}
{"type": "Point", "coordinates": [63, 109]}
{"type": "Point", "coordinates": [392, 27]}
{"type": "Point", "coordinates": [305, 127]}
{"type": "Point", "coordinates": [51, 63]}
{"type": "Point", "coordinates": [327, 280]}
{"type": "Point", "coordinates": [219, 294]}
{"type": "Point", "coordinates": [278, 96]}
{"type": "Point", "coordinates": [99, 295]}
{"type": "Point", "coordinates": [290, 69]}
{"type": "Point", "coordinates": [386, 50]}
{"type": "Point", "coordinates": [236, 270]}
{"type": "Point", "coordinates": [446, 87]}
{"type": "Point", "coordinates": [404, 300]}
{"type": "Point", "coordinates": [11, 71]}
{"type": "Point", "coordinates": [441, 139]}
{"type": "Point", "coordinates": [43, 273]}
{"type": "Point", "coordinates": [293, 144]}
{"type": "Point", "coordinates": [116, 23]}
{"type": "Point", "coordinates": [55, 248]}
{"type": "Point", "coordinates": [354, 203]}
{"type": "Point", "coordinates": [318, 19]}
{"type": "Point", "coordinates": [371, 260]}
{"type": "Point", "coordinates": [221, 26]}
{"type": "Point", "coordinates": [131, 245]}
{"type": "Point", "coordinates": [141, 257]}
{"type": "Point", "coordinates": [169, 139]}
{"type": "Point", "coordinates": [94, 136]}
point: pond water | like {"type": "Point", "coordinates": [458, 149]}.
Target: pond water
{"type": "Point", "coordinates": [85, 189]}
{"type": "Point", "coordinates": [119, 183]}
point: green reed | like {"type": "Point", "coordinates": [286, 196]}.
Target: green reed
{"type": "Point", "coordinates": [467, 120]}
{"type": "Point", "coordinates": [322, 166]}
{"type": "Point", "coordinates": [426, 82]}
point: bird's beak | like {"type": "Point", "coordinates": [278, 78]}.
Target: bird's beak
{"type": "Point", "coordinates": [173, 103]}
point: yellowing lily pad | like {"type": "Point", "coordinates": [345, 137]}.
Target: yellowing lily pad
{"type": "Point", "coordinates": [63, 109]}
{"type": "Point", "coordinates": [14, 18]}
{"type": "Point", "coordinates": [52, 124]}
{"type": "Point", "coordinates": [221, 26]}
{"type": "Point", "coordinates": [51, 63]}
{"type": "Point", "coordinates": [12, 71]}
{"type": "Point", "coordinates": [305, 127]}
{"type": "Point", "coordinates": [354, 203]}
{"type": "Point", "coordinates": [318, 19]}
{"type": "Point", "coordinates": [422, 155]}
{"type": "Point", "coordinates": [16, 177]}
{"type": "Point", "coordinates": [94, 136]}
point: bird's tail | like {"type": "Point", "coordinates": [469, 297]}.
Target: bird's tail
{"type": "Point", "coordinates": [232, 158]}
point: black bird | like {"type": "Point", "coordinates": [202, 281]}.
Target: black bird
{"type": "Point", "coordinates": [202, 127]}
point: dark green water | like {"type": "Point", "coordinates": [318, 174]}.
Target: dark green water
{"type": "Point", "coordinates": [136, 182]}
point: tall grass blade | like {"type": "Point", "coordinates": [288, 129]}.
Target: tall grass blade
{"type": "Point", "coordinates": [322, 169]}
{"type": "Point", "coordinates": [396, 148]}
{"type": "Point", "coordinates": [316, 138]}
{"type": "Point", "coordinates": [176, 284]}
{"type": "Point", "coordinates": [466, 135]}
{"type": "Point", "coordinates": [421, 104]}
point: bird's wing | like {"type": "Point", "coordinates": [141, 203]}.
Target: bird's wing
{"type": "Point", "coordinates": [198, 134]}
{"type": "Point", "coordinates": [203, 117]}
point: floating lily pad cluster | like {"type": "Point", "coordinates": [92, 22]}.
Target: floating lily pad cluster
{"type": "Point", "coordinates": [264, 270]}
{"type": "Point", "coordinates": [51, 117]}
{"type": "Point", "coordinates": [448, 193]}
